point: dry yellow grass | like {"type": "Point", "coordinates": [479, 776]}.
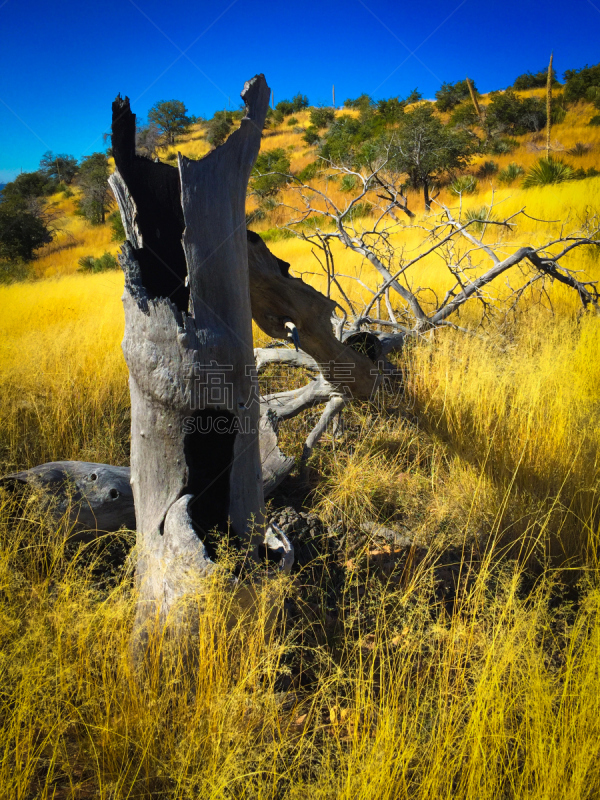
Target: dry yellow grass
{"type": "Point", "coordinates": [402, 695]}
{"type": "Point", "coordinates": [75, 239]}
{"type": "Point", "coordinates": [63, 391]}
{"type": "Point", "coordinates": [498, 698]}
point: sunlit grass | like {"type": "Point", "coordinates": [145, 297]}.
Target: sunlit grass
{"type": "Point", "coordinates": [383, 683]}
{"type": "Point", "coordinates": [498, 696]}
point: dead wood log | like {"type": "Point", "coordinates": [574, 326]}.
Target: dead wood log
{"type": "Point", "coordinates": [96, 497]}
{"type": "Point", "coordinates": [195, 461]}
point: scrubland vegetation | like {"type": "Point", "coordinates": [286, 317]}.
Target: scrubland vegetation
{"type": "Point", "coordinates": [464, 666]}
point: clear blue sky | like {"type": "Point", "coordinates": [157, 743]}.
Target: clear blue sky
{"type": "Point", "coordinates": [62, 63]}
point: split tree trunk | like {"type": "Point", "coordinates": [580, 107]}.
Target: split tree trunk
{"type": "Point", "coordinates": [195, 461]}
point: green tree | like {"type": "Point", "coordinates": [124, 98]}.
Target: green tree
{"type": "Point", "coordinates": [299, 102]}
{"type": "Point", "coordinates": [22, 232]}
{"type": "Point", "coordinates": [61, 168]}
{"type": "Point", "coordinates": [24, 219]}
{"type": "Point", "coordinates": [464, 115]}
{"type": "Point", "coordinates": [93, 181]}
{"type": "Point", "coordinates": [285, 107]}
{"type": "Point", "coordinates": [147, 140]}
{"type": "Point", "coordinates": [170, 117]}
{"type": "Point", "coordinates": [425, 149]}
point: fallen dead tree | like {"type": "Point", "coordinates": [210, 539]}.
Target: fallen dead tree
{"type": "Point", "coordinates": [474, 248]}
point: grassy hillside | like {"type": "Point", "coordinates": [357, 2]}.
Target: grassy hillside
{"type": "Point", "coordinates": [466, 670]}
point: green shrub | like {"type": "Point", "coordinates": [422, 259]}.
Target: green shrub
{"type": "Point", "coordinates": [292, 121]}
{"type": "Point", "coordinates": [255, 216]}
{"type": "Point", "coordinates": [464, 115]}
{"type": "Point", "coordinates": [487, 169]}
{"type": "Point", "coordinates": [547, 171]}
{"type": "Point", "coordinates": [171, 157]}
{"type": "Point", "coordinates": [582, 173]}
{"type": "Point", "coordinates": [311, 135]}
{"type": "Point", "coordinates": [464, 184]}
{"type": "Point", "coordinates": [451, 94]}
{"type": "Point", "coordinates": [510, 173]}
{"type": "Point", "coordinates": [391, 110]}
{"type": "Point", "coordinates": [509, 113]}
{"type": "Point", "coordinates": [558, 111]}
{"type": "Point", "coordinates": [218, 128]}
{"type": "Point", "coordinates": [361, 103]}
{"type": "Point", "coordinates": [580, 149]}
{"type": "Point", "coordinates": [91, 264]}
{"type": "Point", "coordinates": [579, 81]}
{"type": "Point", "coordinates": [275, 234]}
{"type": "Point", "coordinates": [537, 80]}
{"type": "Point", "coordinates": [595, 121]}
{"type": "Point", "coordinates": [270, 161]}
{"type": "Point", "coordinates": [310, 171]}
{"type": "Point", "coordinates": [360, 210]}
{"type": "Point", "coordinates": [593, 95]}
{"type": "Point", "coordinates": [321, 117]}
{"type": "Point", "coordinates": [501, 146]}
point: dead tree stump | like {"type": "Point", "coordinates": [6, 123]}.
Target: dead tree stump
{"type": "Point", "coordinates": [195, 460]}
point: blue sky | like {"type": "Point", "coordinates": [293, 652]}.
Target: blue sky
{"type": "Point", "coordinates": [62, 63]}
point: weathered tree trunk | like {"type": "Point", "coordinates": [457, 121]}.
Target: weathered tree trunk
{"type": "Point", "coordinates": [195, 461]}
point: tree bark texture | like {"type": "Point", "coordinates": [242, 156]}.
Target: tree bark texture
{"type": "Point", "coordinates": [278, 297]}
{"type": "Point", "coordinates": [195, 460]}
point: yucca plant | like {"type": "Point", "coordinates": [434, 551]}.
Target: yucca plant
{"type": "Point", "coordinates": [499, 147]}
{"type": "Point", "coordinates": [546, 171]}
{"type": "Point", "coordinates": [464, 184]}
{"type": "Point", "coordinates": [487, 169]}
{"type": "Point", "coordinates": [510, 173]}
{"type": "Point", "coordinates": [479, 217]}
